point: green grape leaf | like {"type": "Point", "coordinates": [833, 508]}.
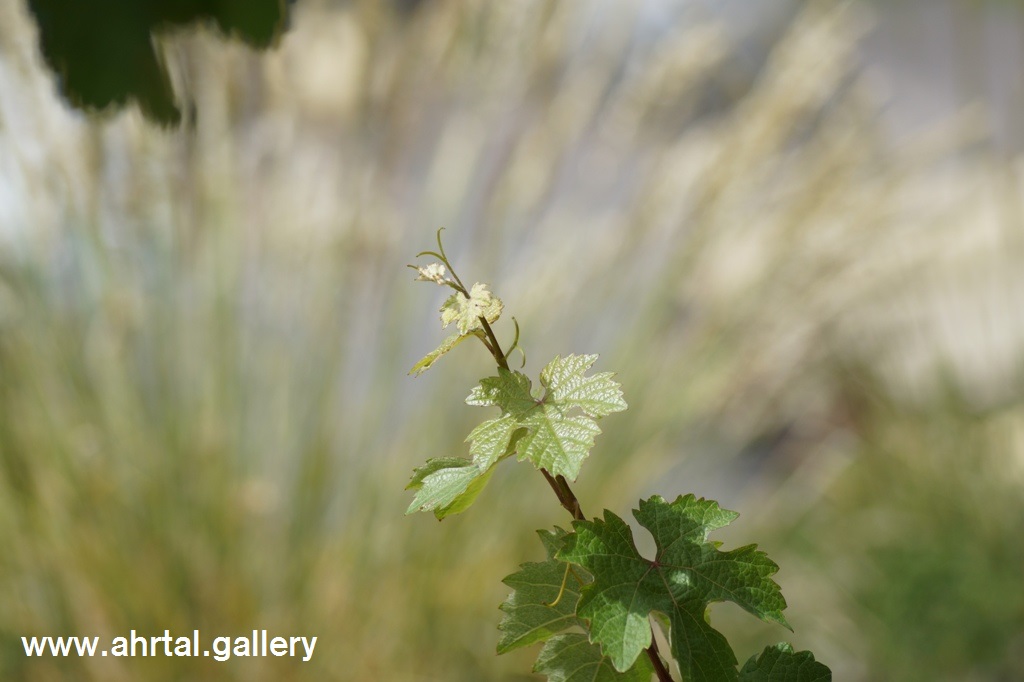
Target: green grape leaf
{"type": "Point", "coordinates": [494, 439]}
{"type": "Point", "coordinates": [466, 312]}
{"type": "Point", "coordinates": [687, 574]}
{"type": "Point", "coordinates": [572, 658]}
{"type": "Point", "coordinates": [552, 540]}
{"type": "Point", "coordinates": [450, 485]}
{"type": "Point", "coordinates": [538, 606]}
{"type": "Point", "coordinates": [780, 664]}
{"type": "Point", "coordinates": [447, 485]}
{"type": "Point", "coordinates": [430, 358]}
{"type": "Point", "coordinates": [511, 391]}
{"type": "Point", "coordinates": [553, 437]}
{"type": "Point", "coordinates": [566, 384]}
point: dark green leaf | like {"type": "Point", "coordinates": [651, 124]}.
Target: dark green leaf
{"type": "Point", "coordinates": [686, 575]}
{"type": "Point", "coordinates": [780, 664]}
{"type": "Point", "coordinates": [538, 606]}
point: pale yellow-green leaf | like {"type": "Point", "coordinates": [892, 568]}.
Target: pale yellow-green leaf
{"type": "Point", "coordinates": [466, 312]}
{"type": "Point", "coordinates": [433, 356]}
{"type": "Point", "coordinates": [557, 427]}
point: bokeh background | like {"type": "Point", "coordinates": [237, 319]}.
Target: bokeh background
{"type": "Point", "coordinates": [795, 230]}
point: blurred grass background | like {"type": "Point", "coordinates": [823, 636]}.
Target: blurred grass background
{"type": "Point", "coordinates": [205, 418]}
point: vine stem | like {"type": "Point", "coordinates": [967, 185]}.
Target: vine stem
{"type": "Point", "coordinates": [566, 497]}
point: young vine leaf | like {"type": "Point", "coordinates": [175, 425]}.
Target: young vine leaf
{"type": "Point", "coordinates": [686, 575]}
{"type": "Point", "coordinates": [466, 312]}
{"type": "Point", "coordinates": [542, 605]}
{"type": "Point", "coordinates": [780, 664]}
{"type": "Point", "coordinates": [555, 428]}
{"type": "Point", "coordinates": [433, 356]}
{"type": "Point", "coordinates": [447, 485]}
